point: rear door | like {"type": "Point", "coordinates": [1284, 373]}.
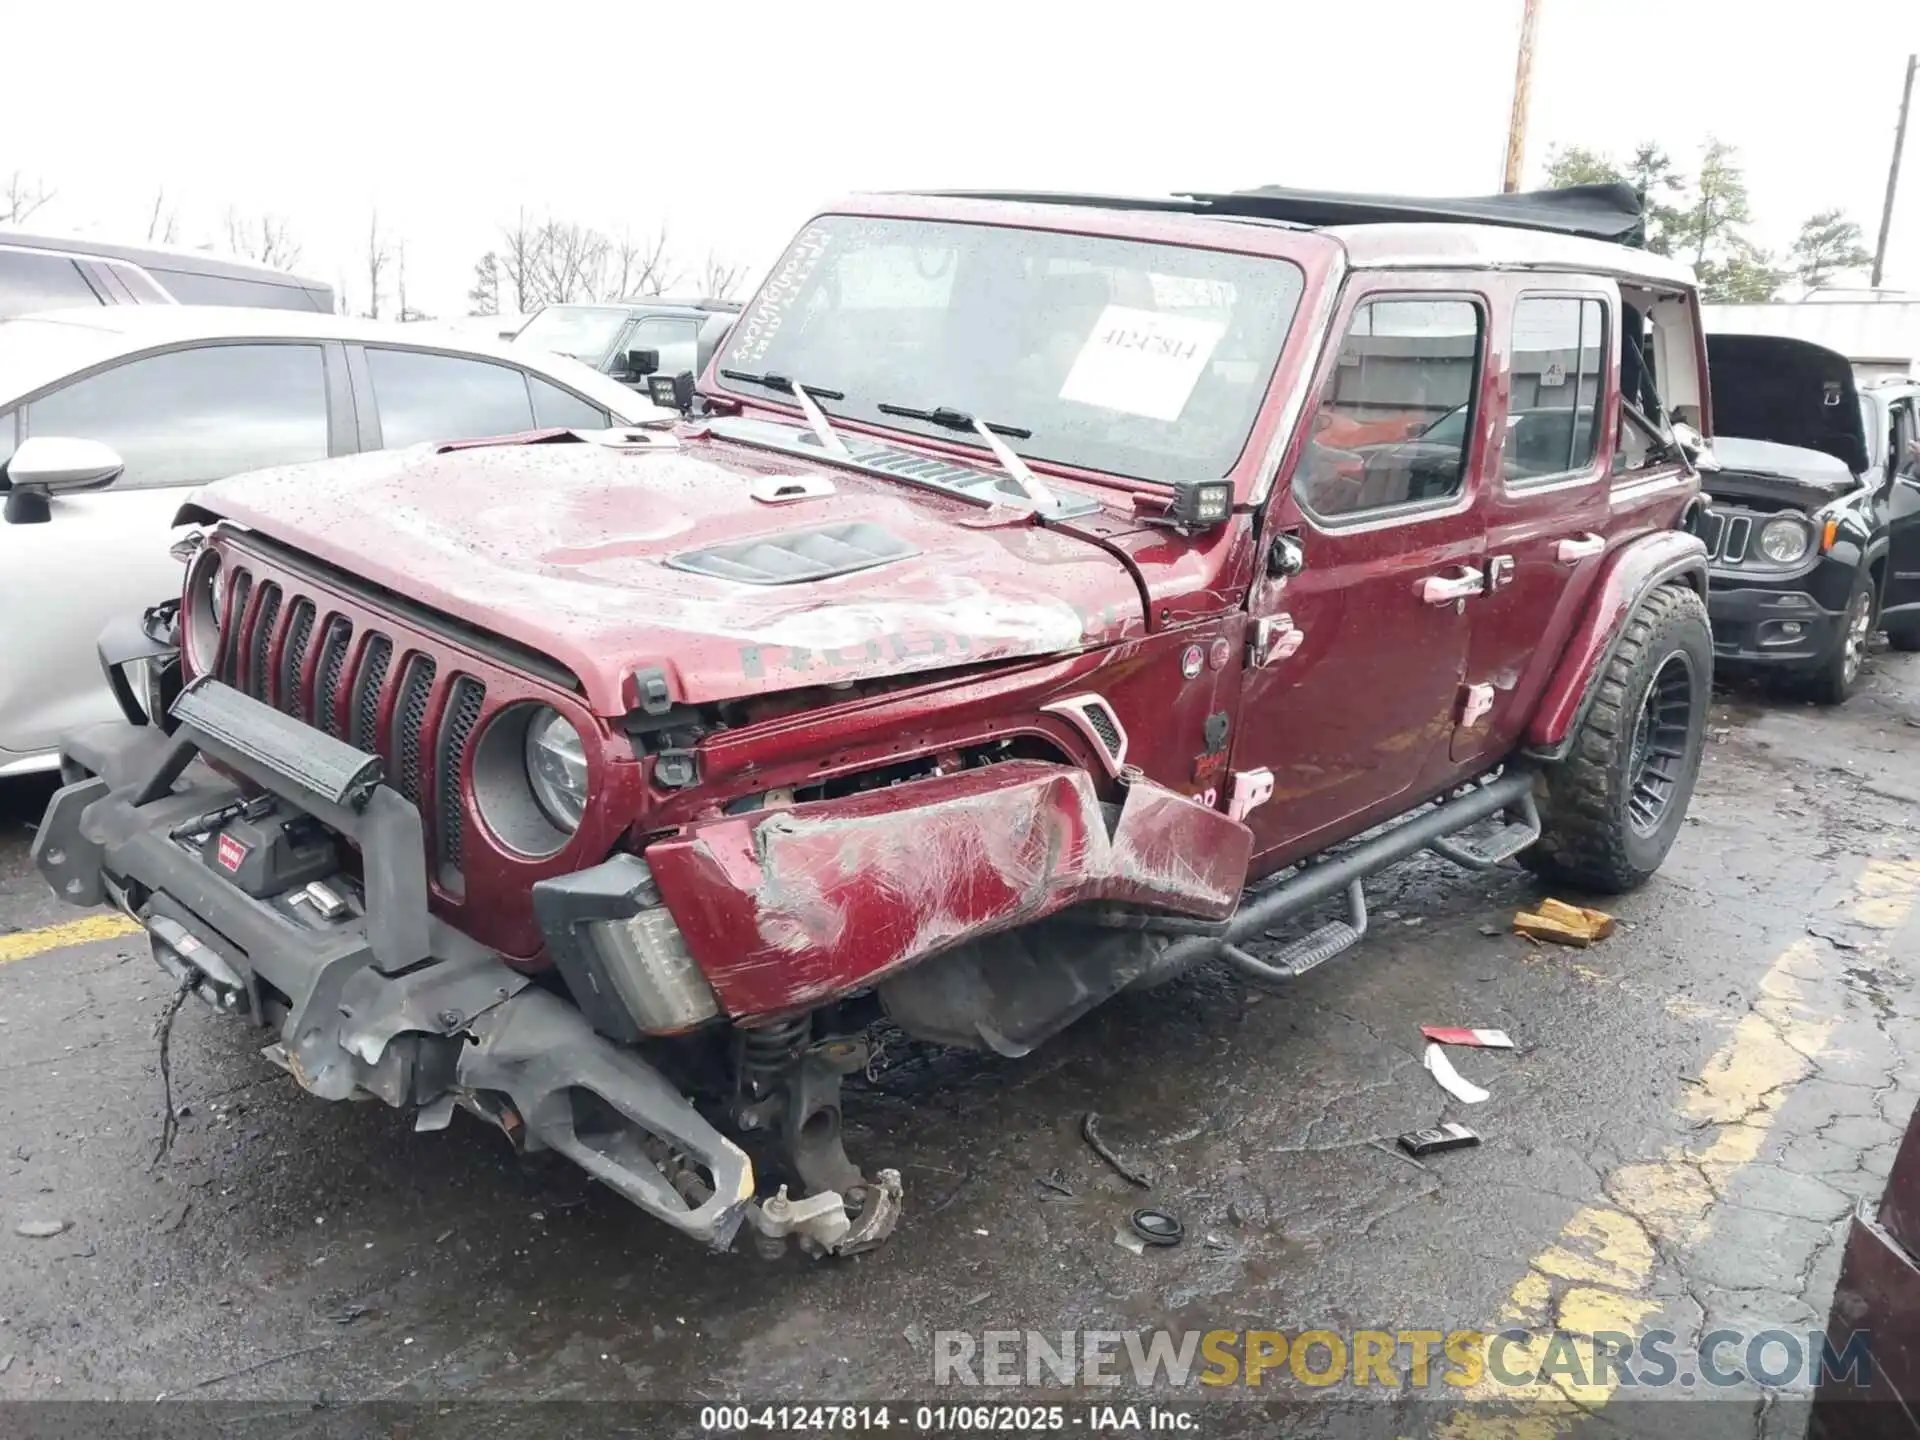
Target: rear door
{"type": "Point", "coordinates": [178, 419]}
{"type": "Point", "coordinates": [424, 395]}
{"type": "Point", "coordinates": [1547, 506]}
{"type": "Point", "coordinates": [1366, 647]}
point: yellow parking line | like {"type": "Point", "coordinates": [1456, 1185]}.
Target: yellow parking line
{"type": "Point", "coordinates": [105, 926]}
{"type": "Point", "coordinates": [1597, 1276]}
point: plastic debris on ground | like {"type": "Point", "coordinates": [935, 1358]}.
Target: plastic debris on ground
{"type": "Point", "coordinates": [1563, 924]}
{"type": "Point", "coordinates": [1462, 1035]}
{"type": "Point", "coordinates": [1450, 1136]}
{"type": "Point", "coordinates": [1451, 1080]}
{"type": "Point", "coordinates": [1127, 1240]}
{"type": "Point", "coordinates": [1157, 1227]}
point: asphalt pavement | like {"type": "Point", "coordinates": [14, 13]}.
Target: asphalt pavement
{"type": "Point", "coordinates": [1693, 1108]}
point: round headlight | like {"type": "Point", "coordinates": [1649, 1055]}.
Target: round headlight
{"type": "Point", "coordinates": [557, 768]}
{"type": "Point", "coordinates": [200, 613]}
{"type": "Point", "coordinates": [1784, 541]}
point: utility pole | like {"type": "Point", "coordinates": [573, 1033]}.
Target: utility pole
{"type": "Point", "coordinates": [1893, 174]}
{"type": "Point", "coordinates": [1522, 84]}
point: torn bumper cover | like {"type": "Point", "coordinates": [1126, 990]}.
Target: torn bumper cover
{"type": "Point", "coordinates": [369, 994]}
{"type": "Point", "coordinates": [783, 909]}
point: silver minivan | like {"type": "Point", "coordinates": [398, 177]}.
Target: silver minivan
{"type": "Point", "coordinates": [57, 272]}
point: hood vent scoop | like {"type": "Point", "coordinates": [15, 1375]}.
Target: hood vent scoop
{"type": "Point", "coordinates": [799, 555]}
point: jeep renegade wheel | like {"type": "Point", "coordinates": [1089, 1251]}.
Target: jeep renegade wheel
{"type": "Point", "coordinates": [1830, 682]}
{"type": "Point", "coordinates": [1610, 809]}
{"type": "Point", "coordinates": [1904, 635]}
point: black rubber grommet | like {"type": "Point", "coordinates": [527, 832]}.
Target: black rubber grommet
{"type": "Point", "coordinates": [1157, 1227]}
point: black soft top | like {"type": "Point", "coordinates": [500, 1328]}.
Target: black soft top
{"type": "Point", "coordinates": [1597, 212]}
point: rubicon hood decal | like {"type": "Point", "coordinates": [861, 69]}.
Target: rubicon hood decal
{"type": "Point", "coordinates": [568, 549]}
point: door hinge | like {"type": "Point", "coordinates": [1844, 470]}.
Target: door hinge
{"type": "Point", "coordinates": [1476, 703]}
{"type": "Point", "coordinates": [1275, 637]}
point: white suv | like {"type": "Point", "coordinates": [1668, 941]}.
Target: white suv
{"type": "Point", "coordinates": [184, 395]}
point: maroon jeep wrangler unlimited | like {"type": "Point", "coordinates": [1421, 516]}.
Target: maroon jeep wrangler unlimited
{"type": "Point", "coordinates": [1050, 593]}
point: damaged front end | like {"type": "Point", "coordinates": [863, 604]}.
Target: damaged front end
{"type": "Point", "coordinates": [288, 887]}
{"type": "Point", "coordinates": [740, 960]}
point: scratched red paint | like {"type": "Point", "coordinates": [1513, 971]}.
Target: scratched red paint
{"type": "Point", "coordinates": [783, 908]}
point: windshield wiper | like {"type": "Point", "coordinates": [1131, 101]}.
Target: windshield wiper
{"type": "Point", "coordinates": [947, 418]}
{"type": "Point", "coordinates": [803, 395]}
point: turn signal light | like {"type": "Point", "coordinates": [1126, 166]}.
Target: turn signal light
{"type": "Point", "coordinates": [1826, 535]}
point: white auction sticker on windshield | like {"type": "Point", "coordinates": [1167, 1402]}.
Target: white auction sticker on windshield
{"type": "Point", "coordinates": [1142, 362]}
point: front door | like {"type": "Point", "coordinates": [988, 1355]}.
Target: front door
{"type": "Point", "coordinates": [1365, 648]}
{"type": "Point", "coordinates": [178, 419]}
{"type": "Point", "coordinates": [1900, 599]}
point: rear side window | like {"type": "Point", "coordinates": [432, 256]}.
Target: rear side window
{"type": "Point", "coordinates": [1395, 418]}
{"type": "Point", "coordinates": [191, 416]}
{"type": "Point", "coordinates": [1554, 398]}
{"type": "Point", "coordinates": [192, 288]}
{"type": "Point", "coordinates": [140, 285]}
{"type": "Point", "coordinates": [30, 280]}
{"type": "Point", "coordinates": [423, 396]}
{"type": "Point", "coordinates": [557, 408]}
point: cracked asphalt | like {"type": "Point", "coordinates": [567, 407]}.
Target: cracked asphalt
{"type": "Point", "coordinates": [1693, 1110]}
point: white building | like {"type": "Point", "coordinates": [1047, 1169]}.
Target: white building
{"type": "Point", "coordinates": [1880, 336]}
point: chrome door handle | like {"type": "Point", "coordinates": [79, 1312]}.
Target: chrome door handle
{"type": "Point", "coordinates": [1450, 589]}
{"type": "Point", "coordinates": [1581, 547]}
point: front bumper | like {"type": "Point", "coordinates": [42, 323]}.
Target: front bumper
{"type": "Point", "coordinates": [1760, 625]}
{"type": "Point", "coordinates": [370, 996]}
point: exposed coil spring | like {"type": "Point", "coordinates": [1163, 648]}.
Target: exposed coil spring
{"type": "Point", "coordinates": [770, 1049]}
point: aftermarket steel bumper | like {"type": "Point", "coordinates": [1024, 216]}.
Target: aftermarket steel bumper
{"type": "Point", "coordinates": [371, 995]}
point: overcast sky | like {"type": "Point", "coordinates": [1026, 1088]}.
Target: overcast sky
{"type": "Point", "coordinates": [448, 118]}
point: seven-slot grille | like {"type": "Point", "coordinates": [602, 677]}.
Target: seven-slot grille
{"type": "Point", "coordinates": [1727, 534]}
{"type": "Point", "coordinates": [385, 699]}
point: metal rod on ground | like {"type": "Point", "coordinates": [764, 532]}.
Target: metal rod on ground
{"type": "Point", "coordinates": [1893, 174]}
{"type": "Point", "coordinates": [1522, 87]}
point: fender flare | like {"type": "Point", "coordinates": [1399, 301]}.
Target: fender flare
{"type": "Point", "coordinates": [1667, 557]}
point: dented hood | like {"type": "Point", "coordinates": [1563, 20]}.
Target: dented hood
{"type": "Point", "coordinates": [614, 561]}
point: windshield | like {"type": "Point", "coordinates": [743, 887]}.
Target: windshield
{"type": "Point", "coordinates": [586, 332]}
{"type": "Point", "coordinates": [1122, 356]}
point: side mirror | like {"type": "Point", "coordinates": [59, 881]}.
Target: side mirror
{"type": "Point", "coordinates": [642, 363]}
{"type": "Point", "coordinates": [50, 464]}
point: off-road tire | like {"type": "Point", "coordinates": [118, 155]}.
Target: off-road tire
{"type": "Point", "coordinates": [1587, 838]}
{"type": "Point", "coordinates": [1829, 682]}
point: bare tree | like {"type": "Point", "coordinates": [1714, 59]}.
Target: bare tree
{"type": "Point", "coordinates": [483, 298]}
{"type": "Point", "coordinates": [268, 240]}
{"type": "Point", "coordinates": [21, 198]}
{"type": "Point", "coordinates": [406, 312]}
{"type": "Point", "coordinates": [163, 225]}
{"type": "Point", "coordinates": [718, 280]}
{"type": "Point", "coordinates": [521, 244]}
{"type": "Point", "coordinates": [640, 267]}
{"type": "Point", "coordinates": [379, 254]}
{"type": "Point", "coordinates": [570, 264]}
